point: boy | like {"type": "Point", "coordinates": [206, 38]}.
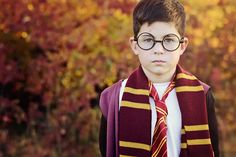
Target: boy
{"type": "Point", "coordinates": [160, 109]}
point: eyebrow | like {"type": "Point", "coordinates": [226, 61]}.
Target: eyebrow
{"type": "Point", "coordinates": [167, 35]}
{"type": "Point", "coordinates": [148, 35]}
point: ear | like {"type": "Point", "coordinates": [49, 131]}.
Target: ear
{"type": "Point", "coordinates": [183, 45]}
{"type": "Point", "coordinates": [133, 45]}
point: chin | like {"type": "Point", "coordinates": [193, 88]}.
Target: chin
{"type": "Point", "coordinates": [158, 71]}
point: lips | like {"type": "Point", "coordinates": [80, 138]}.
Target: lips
{"type": "Point", "coordinates": [158, 61]}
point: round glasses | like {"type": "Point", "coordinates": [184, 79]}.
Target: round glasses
{"type": "Point", "coordinates": [170, 42]}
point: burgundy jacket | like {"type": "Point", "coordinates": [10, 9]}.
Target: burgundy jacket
{"type": "Point", "coordinates": [109, 105]}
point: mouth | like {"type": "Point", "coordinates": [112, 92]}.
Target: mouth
{"type": "Point", "coordinates": [158, 61]}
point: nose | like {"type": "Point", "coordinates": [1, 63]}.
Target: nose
{"type": "Point", "coordinates": [158, 48]}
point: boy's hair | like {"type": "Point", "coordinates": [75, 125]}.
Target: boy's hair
{"type": "Point", "coordinates": [149, 11]}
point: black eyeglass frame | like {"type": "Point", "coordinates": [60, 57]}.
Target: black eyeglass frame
{"type": "Point", "coordinates": [159, 41]}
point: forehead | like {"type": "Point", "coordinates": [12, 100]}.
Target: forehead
{"type": "Point", "coordinates": [159, 29]}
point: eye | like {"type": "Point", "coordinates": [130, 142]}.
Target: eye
{"type": "Point", "coordinates": [169, 40]}
{"type": "Point", "coordinates": [148, 40]}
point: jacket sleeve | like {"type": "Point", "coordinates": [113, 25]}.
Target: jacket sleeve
{"type": "Point", "coordinates": [103, 122]}
{"type": "Point", "coordinates": [212, 122]}
{"type": "Point", "coordinates": [103, 136]}
{"type": "Point", "coordinates": [108, 104]}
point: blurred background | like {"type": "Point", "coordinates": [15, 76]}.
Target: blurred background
{"type": "Point", "coordinates": [56, 56]}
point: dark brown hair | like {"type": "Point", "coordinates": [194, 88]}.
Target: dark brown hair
{"type": "Point", "coordinates": [149, 11]}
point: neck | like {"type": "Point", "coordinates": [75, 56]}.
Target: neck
{"type": "Point", "coordinates": [158, 77]}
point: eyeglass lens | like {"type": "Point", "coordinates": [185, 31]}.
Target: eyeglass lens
{"type": "Point", "coordinates": [170, 42]}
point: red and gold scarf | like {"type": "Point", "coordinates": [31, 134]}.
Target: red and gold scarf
{"type": "Point", "coordinates": [135, 116]}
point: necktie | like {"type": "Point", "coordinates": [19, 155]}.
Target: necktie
{"type": "Point", "coordinates": [159, 145]}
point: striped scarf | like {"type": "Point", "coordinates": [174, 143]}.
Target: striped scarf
{"type": "Point", "coordinates": [135, 116]}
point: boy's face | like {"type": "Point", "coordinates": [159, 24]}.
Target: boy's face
{"type": "Point", "coordinates": [158, 59]}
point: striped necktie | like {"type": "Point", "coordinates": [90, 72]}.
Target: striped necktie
{"type": "Point", "coordinates": [159, 145]}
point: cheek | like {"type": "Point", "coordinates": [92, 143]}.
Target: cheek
{"type": "Point", "coordinates": [144, 57]}
{"type": "Point", "coordinates": [176, 58]}
{"type": "Point", "coordinates": [173, 59]}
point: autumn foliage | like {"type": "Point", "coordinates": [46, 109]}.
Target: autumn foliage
{"type": "Point", "coordinates": [56, 56]}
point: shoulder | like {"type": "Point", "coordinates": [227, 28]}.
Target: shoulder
{"type": "Point", "coordinates": [206, 87]}
{"type": "Point", "coordinates": [111, 89]}
{"type": "Point", "coordinates": [109, 97]}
